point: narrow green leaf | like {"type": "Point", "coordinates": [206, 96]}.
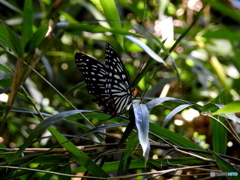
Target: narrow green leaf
{"type": "Point", "coordinates": [68, 17]}
{"type": "Point", "coordinates": [6, 70]}
{"type": "Point", "coordinates": [139, 163]}
{"type": "Point", "coordinates": [78, 155]}
{"type": "Point", "coordinates": [42, 127]}
{"type": "Point", "coordinates": [11, 6]}
{"type": "Point", "coordinates": [25, 98]}
{"type": "Point", "coordinates": [231, 171]}
{"type": "Point", "coordinates": [27, 28]}
{"type": "Point", "coordinates": [198, 15]}
{"type": "Point", "coordinates": [5, 83]}
{"type": "Point", "coordinates": [157, 101]}
{"type": "Point", "coordinates": [25, 173]}
{"type": "Point", "coordinates": [131, 144]}
{"type": "Point", "coordinates": [22, 110]}
{"type": "Point", "coordinates": [173, 137]}
{"type": "Point", "coordinates": [232, 107]}
{"type": "Point", "coordinates": [174, 112]}
{"type": "Point", "coordinates": [100, 128]}
{"type": "Point", "coordinates": [219, 131]}
{"type": "Point", "coordinates": [94, 7]}
{"type": "Point", "coordinates": [225, 10]}
{"type": "Point", "coordinates": [59, 54]}
{"type": "Point", "coordinates": [164, 162]}
{"type": "Point", "coordinates": [10, 41]}
{"type": "Point", "coordinates": [145, 69]}
{"type": "Point", "coordinates": [77, 86]}
{"type": "Point", "coordinates": [126, 133]}
{"type": "Point", "coordinates": [66, 170]}
{"type": "Point", "coordinates": [37, 38]}
{"type": "Point", "coordinates": [146, 49]}
{"type": "Point", "coordinates": [93, 28]}
{"type": "Point", "coordinates": [113, 18]}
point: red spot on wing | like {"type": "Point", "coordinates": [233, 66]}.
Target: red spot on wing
{"type": "Point", "coordinates": [107, 102]}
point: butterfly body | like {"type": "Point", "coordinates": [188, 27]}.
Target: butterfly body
{"type": "Point", "coordinates": [109, 83]}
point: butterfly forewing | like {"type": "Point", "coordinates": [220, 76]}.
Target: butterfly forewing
{"type": "Point", "coordinates": [94, 75]}
{"type": "Point", "coordinates": [114, 66]}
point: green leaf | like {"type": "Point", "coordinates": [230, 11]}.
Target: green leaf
{"type": "Point", "coordinates": [174, 112]}
{"type": "Point", "coordinates": [6, 70]}
{"type": "Point", "coordinates": [59, 54]}
{"type": "Point", "coordinates": [157, 101]}
{"type": "Point", "coordinates": [226, 167]}
{"type": "Point", "coordinates": [42, 127]}
{"type": "Point", "coordinates": [146, 49]}
{"type": "Point", "coordinates": [145, 69]}
{"type": "Point", "coordinates": [78, 155]}
{"type": "Point", "coordinates": [95, 8]}
{"type": "Point", "coordinates": [139, 163]}
{"type": "Point", "coordinates": [27, 28]}
{"type": "Point", "coordinates": [173, 137]}
{"type": "Point", "coordinates": [88, 130]}
{"type": "Point", "coordinates": [218, 131]}
{"type": "Point", "coordinates": [10, 41]}
{"type": "Point", "coordinates": [233, 107]}
{"type": "Point", "coordinates": [11, 6]}
{"type": "Point", "coordinates": [23, 173]}
{"type": "Point", "coordinates": [25, 98]}
{"type": "Point", "coordinates": [225, 10]}
{"type": "Point", "coordinates": [22, 110]}
{"type": "Point", "coordinates": [77, 86]}
{"type": "Point", "coordinates": [37, 38]}
{"type": "Point", "coordinates": [113, 18]}
{"type": "Point", "coordinates": [5, 83]}
{"type": "Point", "coordinates": [94, 28]}
{"type": "Point", "coordinates": [131, 144]}
{"type": "Point", "coordinates": [66, 170]}
{"type": "Point", "coordinates": [127, 131]}
{"type": "Point", "coordinates": [164, 162]}
{"type": "Point", "coordinates": [68, 17]}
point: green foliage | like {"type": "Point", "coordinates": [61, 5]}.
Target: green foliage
{"type": "Point", "coordinates": [196, 65]}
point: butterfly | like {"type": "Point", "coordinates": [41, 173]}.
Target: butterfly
{"type": "Point", "coordinates": [108, 82]}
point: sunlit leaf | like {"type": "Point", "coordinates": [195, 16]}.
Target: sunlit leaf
{"type": "Point", "coordinates": [232, 107]}
{"type": "Point", "coordinates": [111, 12]}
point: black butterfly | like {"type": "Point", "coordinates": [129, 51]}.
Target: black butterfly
{"type": "Point", "coordinates": [109, 83]}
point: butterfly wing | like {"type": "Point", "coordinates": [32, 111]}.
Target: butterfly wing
{"type": "Point", "coordinates": [117, 82]}
{"type": "Point", "coordinates": [109, 83]}
{"type": "Point", "coordinates": [94, 75]}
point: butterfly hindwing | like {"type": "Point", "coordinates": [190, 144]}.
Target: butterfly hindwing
{"type": "Point", "coordinates": [117, 81]}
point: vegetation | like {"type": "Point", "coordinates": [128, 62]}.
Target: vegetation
{"type": "Point", "coordinates": [182, 57]}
